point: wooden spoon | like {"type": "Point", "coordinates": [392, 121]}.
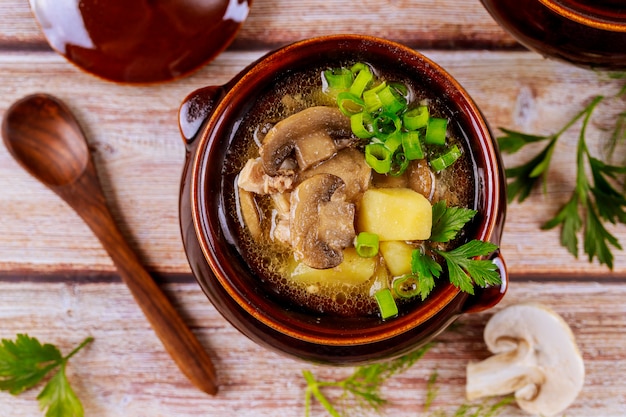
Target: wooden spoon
{"type": "Point", "coordinates": [44, 137]}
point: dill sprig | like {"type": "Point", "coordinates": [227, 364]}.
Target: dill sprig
{"type": "Point", "coordinates": [487, 408]}
{"type": "Point", "coordinates": [362, 388]}
{"type": "Point", "coordinates": [361, 391]}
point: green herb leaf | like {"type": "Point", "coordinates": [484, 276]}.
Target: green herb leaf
{"type": "Point", "coordinates": [58, 397]}
{"type": "Point", "coordinates": [597, 239]}
{"type": "Point", "coordinates": [513, 141]}
{"type": "Point", "coordinates": [570, 222]}
{"type": "Point", "coordinates": [25, 362]}
{"type": "Point", "coordinates": [426, 269]}
{"type": "Point", "coordinates": [594, 199]}
{"type": "Point", "coordinates": [464, 271]}
{"type": "Point", "coordinates": [611, 204]}
{"type": "Point", "coordinates": [362, 388]}
{"type": "Point", "coordinates": [447, 221]}
{"type": "Point", "coordinates": [431, 390]}
{"type": "Point", "coordinates": [527, 175]}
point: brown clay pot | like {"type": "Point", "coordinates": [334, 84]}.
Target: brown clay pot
{"type": "Point", "coordinates": [588, 33]}
{"type": "Point", "coordinates": [208, 117]}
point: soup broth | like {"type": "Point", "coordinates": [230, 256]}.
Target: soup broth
{"type": "Point", "coordinates": [346, 289]}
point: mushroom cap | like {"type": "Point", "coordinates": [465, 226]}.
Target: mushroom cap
{"type": "Point", "coordinates": [313, 246]}
{"type": "Point", "coordinates": [554, 350]}
{"type": "Point", "coordinates": [318, 125]}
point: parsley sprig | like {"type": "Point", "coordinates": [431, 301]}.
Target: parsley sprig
{"type": "Point", "coordinates": [594, 200]}
{"type": "Point", "coordinates": [464, 266]}
{"type": "Point", "coordinates": [25, 362]}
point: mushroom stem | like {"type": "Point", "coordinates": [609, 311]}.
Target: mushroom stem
{"type": "Point", "coordinates": [536, 357]}
{"type": "Point", "coordinates": [509, 372]}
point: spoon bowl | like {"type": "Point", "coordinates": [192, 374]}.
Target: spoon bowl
{"type": "Point", "coordinates": [31, 120]}
{"type": "Point", "coordinates": [44, 137]}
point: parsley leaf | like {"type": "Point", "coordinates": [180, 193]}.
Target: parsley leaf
{"type": "Point", "coordinates": [594, 199]}
{"type": "Point", "coordinates": [464, 271]}
{"type": "Point", "coordinates": [426, 269]}
{"type": "Point", "coordinates": [614, 202]}
{"type": "Point", "coordinates": [25, 362]}
{"type": "Point", "coordinates": [597, 239]}
{"type": "Point", "coordinates": [570, 222]}
{"type": "Point", "coordinates": [526, 176]}
{"type": "Point", "coordinates": [447, 221]}
{"type": "Point", "coordinates": [513, 141]}
{"type": "Point", "coordinates": [59, 398]}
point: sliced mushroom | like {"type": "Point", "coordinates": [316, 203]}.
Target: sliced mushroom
{"type": "Point", "coordinates": [421, 178]}
{"type": "Point", "coordinates": [536, 358]}
{"type": "Point", "coordinates": [249, 212]}
{"type": "Point", "coordinates": [311, 240]}
{"type": "Point", "coordinates": [308, 133]}
{"type": "Point", "coordinates": [350, 166]}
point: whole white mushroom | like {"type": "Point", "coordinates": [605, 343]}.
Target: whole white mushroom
{"type": "Point", "coordinates": [536, 357]}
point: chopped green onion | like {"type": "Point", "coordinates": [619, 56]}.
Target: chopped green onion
{"type": "Point", "coordinates": [386, 303]}
{"type": "Point", "coordinates": [358, 67]}
{"type": "Point", "coordinates": [394, 135]}
{"type": "Point", "coordinates": [416, 118]}
{"type": "Point", "coordinates": [362, 80]}
{"type": "Point", "coordinates": [378, 157]}
{"type": "Point", "coordinates": [349, 104]}
{"type": "Point", "coordinates": [399, 164]}
{"type": "Point", "coordinates": [393, 142]}
{"type": "Point", "coordinates": [362, 125]}
{"type": "Point", "coordinates": [447, 159]}
{"type": "Point", "coordinates": [338, 79]}
{"type": "Point", "coordinates": [387, 124]}
{"type": "Point", "coordinates": [436, 131]}
{"type": "Point", "coordinates": [367, 245]}
{"type": "Point", "coordinates": [390, 100]}
{"type": "Point", "coordinates": [371, 98]}
{"type": "Point", "coordinates": [412, 146]}
{"type": "Point", "coordinates": [406, 286]}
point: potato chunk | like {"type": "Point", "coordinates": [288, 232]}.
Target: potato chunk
{"type": "Point", "coordinates": [397, 256]}
{"type": "Point", "coordinates": [354, 270]}
{"type": "Point", "coordinates": [395, 214]}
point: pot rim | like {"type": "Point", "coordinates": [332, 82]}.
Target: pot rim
{"type": "Point", "coordinates": [489, 228]}
{"type": "Point", "coordinates": [586, 15]}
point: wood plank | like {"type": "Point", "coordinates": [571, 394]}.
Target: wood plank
{"type": "Point", "coordinates": [425, 24]}
{"type": "Point", "coordinates": [125, 371]}
{"type": "Point", "coordinates": [133, 133]}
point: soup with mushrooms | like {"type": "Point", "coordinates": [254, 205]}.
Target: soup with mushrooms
{"type": "Point", "coordinates": [342, 176]}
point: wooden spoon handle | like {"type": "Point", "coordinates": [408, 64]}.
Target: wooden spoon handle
{"type": "Point", "coordinates": [86, 197]}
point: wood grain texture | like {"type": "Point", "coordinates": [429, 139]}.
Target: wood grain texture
{"type": "Point", "coordinates": [57, 283]}
{"type": "Point", "coordinates": [125, 371]}
{"type": "Point", "coordinates": [139, 154]}
{"type": "Point", "coordinates": [425, 23]}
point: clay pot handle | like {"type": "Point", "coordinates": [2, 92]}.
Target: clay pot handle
{"type": "Point", "coordinates": [196, 109]}
{"type": "Point", "coordinates": [485, 298]}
